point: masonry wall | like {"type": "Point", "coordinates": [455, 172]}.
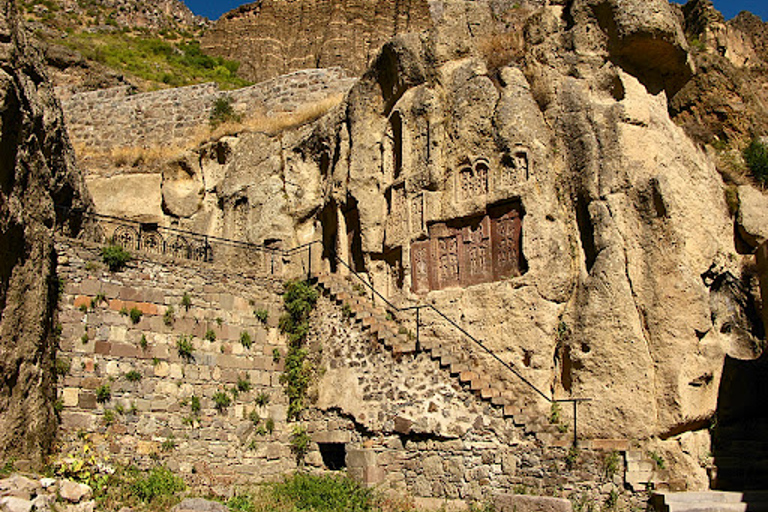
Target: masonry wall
{"type": "Point", "coordinates": [152, 418]}
{"type": "Point", "coordinates": [111, 118]}
{"type": "Point", "coordinates": [402, 422]}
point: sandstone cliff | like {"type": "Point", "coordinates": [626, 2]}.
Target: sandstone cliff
{"type": "Point", "coordinates": [548, 200]}
{"type": "Point", "coordinates": [523, 167]}
{"type": "Point", "coordinates": [36, 171]}
{"type": "Point", "coordinates": [274, 37]}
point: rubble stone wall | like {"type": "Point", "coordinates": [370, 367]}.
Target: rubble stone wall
{"type": "Point", "coordinates": [112, 118]}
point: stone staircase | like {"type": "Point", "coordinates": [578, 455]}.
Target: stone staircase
{"type": "Point", "coordinates": [710, 501]}
{"type": "Point", "coordinates": [453, 356]}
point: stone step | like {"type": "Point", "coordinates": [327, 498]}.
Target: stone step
{"type": "Point", "coordinates": [457, 367]}
{"type": "Point", "coordinates": [710, 496]}
{"type": "Point", "coordinates": [467, 376]}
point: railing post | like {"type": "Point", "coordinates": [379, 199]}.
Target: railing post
{"type": "Point", "coordinates": [575, 423]}
{"type": "Point", "coordinates": [309, 262]}
{"type": "Point", "coordinates": [418, 329]}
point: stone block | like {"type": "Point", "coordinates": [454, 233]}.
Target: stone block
{"type": "Point", "coordinates": [620, 445]}
{"type": "Point", "coordinates": [102, 347]}
{"type": "Point", "coordinates": [523, 503]}
{"type": "Point", "coordinates": [87, 400]}
{"type": "Point", "coordinates": [75, 421]}
{"type": "Point", "coordinates": [336, 436]}
{"type": "Point", "coordinates": [70, 397]}
{"type": "Point", "coordinates": [124, 350]}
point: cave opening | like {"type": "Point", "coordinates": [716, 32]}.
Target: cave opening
{"type": "Point", "coordinates": [586, 232]}
{"type": "Point", "coordinates": [334, 455]}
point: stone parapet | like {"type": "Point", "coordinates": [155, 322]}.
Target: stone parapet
{"type": "Point", "coordinates": [116, 118]}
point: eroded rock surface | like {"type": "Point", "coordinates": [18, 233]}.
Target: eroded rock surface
{"type": "Point", "coordinates": [36, 171]}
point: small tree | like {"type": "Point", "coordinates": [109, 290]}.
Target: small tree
{"type": "Point", "coordinates": [115, 257]}
{"type": "Point", "coordinates": [756, 157]}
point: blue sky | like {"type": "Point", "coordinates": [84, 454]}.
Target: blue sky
{"type": "Point", "coordinates": [730, 8]}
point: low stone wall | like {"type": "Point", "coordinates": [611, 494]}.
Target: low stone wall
{"type": "Point", "coordinates": [149, 415]}
{"type": "Point", "coordinates": [112, 118]}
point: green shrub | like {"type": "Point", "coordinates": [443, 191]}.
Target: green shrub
{"type": "Point", "coordinates": [135, 314]}
{"type": "Point", "coordinates": [109, 417]}
{"type": "Point", "coordinates": [169, 316]}
{"type": "Point", "coordinates": [185, 349]}
{"type": "Point", "coordinates": [243, 385]}
{"type": "Point", "coordinates": [262, 315]}
{"type": "Point", "coordinates": [254, 417]}
{"type": "Point", "coordinates": [210, 335]}
{"type": "Point", "coordinates": [300, 442]}
{"type": "Point", "coordinates": [186, 301]}
{"type": "Point", "coordinates": [133, 376]}
{"type": "Point", "coordinates": [658, 459]}
{"type": "Point", "coordinates": [221, 401]}
{"type": "Point", "coordinates": [270, 425]}
{"type": "Point", "coordinates": [62, 366]}
{"type": "Point", "coordinates": [241, 503]}
{"type": "Point", "coordinates": [756, 157]}
{"type": "Point", "coordinates": [324, 493]}
{"type": "Point", "coordinates": [299, 300]}
{"type": "Point", "coordinates": [84, 338]}
{"type": "Point", "coordinates": [103, 394]}
{"type": "Point", "coordinates": [143, 343]}
{"type": "Point", "coordinates": [159, 482]}
{"type": "Point", "coordinates": [276, 355]}
{"type": "Point", "coordinates": [169, 444]}
{"type": "Point", "coordinates": [262, 399]}
{"type": "Point", "coordinates": [194, 404]}
{"type": "Point", "coordinates": [115, 257]}
{"type": "Point", "coordinates": [222, 111]}
{"type": "Point", "coordinates": [245, 339]}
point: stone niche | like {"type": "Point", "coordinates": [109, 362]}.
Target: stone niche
{"type": "Point", "coordinates": [472, 250]}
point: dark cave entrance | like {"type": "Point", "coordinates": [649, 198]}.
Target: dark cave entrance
{"type": "Point", "coordinates": [334, 455]}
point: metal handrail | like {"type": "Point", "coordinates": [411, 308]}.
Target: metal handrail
{"type": "Point", "coordinates": [308, 247]}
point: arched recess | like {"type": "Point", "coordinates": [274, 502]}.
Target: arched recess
{"type": "Point", "coordinates": [354, 235]}
{"type": "Point", "coordinates": [329, 222]}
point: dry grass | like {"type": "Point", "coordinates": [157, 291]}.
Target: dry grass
{"type": "Point", "coordinates": [156, 155]}
{"type": "Point", "coordinates": [499, 50]}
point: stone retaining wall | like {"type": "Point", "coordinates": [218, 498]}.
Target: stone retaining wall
{"type": "Point", "coordinates": [151, 417]}
{"type": "Point", "coordinates": [112, 118]}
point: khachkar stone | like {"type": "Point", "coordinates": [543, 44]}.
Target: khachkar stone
{"type": "Point", "coordinates": [469, 251]}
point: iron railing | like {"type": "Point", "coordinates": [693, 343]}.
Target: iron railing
{"type": "Point", "coordinates": [179, 243]}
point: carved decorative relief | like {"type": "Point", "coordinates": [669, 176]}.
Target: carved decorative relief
{"type": "Point", "coordinates": [515, 168]}
{"type": "Point", "coordinates": [469, 251]}
{"type": "Point", "coordinates": [472, 181]}
{"type": "Point", "coordinates": [417, 214]}
{"type": "Point", "coordinates": [397, 220]}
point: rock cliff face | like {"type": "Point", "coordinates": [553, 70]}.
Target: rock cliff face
{"type": "Point", "coordinates": [726, 101]}
{"type": "Point", "coordinates": [274, 37]}
{"type": "Point", "coordinates": [548, 200]}
{"type": "Point", "coordinates": [518, 167]}
{"type": "Point", "coordinates": [36, 171]}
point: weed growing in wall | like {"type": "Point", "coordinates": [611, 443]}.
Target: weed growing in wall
{"type": "Point", "coordinates": [261, 399]}
{"type": "Point", "coordinates": [186, 301]}
{"type": "Point", "coordinates": [194, 405]}
{"type": "Point", "coordinates": [221, 401]}
{"type": "Point", "coordinates": [103, 394]}
{"type": "Point", "coordinates": [169, 316]}
{"type": "Point", "coordinates": [135, 315]}
{"type": "Point", "coordinates": [185, 349]}
{"type": "Point", "coordinates": [245, 340]}
{"type": "Point", "coordinates": [133, 376]}
{"type": "Point", "coordinates": [300, 442]}
{"type": "Point", "coordinates": [115, 257]}
{"type": "Point", "coordinates": [299, 300]}
{"type": "Point", "coordinates": [222, 111]}
{"type": "Point", "coordinates": [262, 315]}
{"type": "Point", "coordinates": [210, 335]}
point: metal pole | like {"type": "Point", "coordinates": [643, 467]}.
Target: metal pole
{"type": "Point", "coordinates": [418, 324]}
{"type": "Point", "coordinates": [309, 262]}
{"type": "Point", "coordinates": [575, 440]}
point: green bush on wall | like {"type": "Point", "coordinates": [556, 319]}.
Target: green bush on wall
{"type": "Point", "coordinates": [115, 257]}
{"type": "Point", "coordinates": [756, 157]}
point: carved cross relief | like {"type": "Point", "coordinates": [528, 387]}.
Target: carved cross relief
{"type": "Point", "coordinates": [469, 251]}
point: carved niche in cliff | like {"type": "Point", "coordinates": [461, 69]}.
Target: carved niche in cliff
{"type": "Point", "coordinates": [469, 251]}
